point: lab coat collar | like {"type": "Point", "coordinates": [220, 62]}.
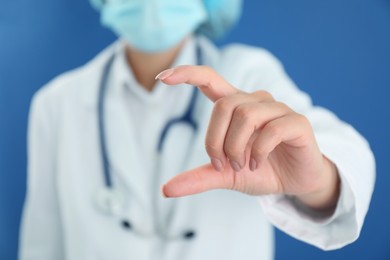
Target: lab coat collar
{"type": "Point", "coordinates": [123, 77]}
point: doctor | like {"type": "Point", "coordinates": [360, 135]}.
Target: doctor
{"type": "Point", "coordinates": [108, 143]}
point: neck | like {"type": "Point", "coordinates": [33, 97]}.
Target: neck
{"type": "Point", "coordinates": [146, 66]}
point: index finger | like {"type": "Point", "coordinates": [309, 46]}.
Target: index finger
{"type": "Point", "coordinates": [209, 82]}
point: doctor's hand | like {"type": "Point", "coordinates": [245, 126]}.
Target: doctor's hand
{"type": "Point", "coordinates": [257, 146]}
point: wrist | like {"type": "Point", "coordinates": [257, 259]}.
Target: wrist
{"type": "Point", "coordinates": [325, 198]}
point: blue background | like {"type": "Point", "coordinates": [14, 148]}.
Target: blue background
{"type": "Point", "coordinates": [337, 50]}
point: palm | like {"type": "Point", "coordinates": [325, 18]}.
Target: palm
{"type": "Point", "coordinates": [287, 169]}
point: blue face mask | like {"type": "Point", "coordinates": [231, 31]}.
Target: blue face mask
{"type": "Point", "coordinates": [153, 25]}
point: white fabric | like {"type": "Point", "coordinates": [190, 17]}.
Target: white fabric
{"type": "Point", "coordinates": [65, 170]}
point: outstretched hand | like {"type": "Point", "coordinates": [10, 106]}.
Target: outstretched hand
{"type": "Point", "coordinates": [256, 146]}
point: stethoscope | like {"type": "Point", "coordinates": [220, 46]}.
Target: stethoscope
{"type": "Point", "coordinates": [110, 200]}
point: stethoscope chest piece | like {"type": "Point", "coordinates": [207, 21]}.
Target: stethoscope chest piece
{"type": "Point", "coordinates": [110, 201]}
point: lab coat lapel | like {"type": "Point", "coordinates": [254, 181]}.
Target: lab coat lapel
{"type": "Point", "coordinates": [123, 157]}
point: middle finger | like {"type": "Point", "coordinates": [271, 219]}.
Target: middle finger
{"type": "Point", "coordinates": [220, 121]}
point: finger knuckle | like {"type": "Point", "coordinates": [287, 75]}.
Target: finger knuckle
{"type": "Point", "coordinates": [244, 114]}
{"type": "Point", "coordinates": [208, 74]}
{"type": "Point", "coordinates": [223, 104]}
{"type": "Point", "coordinates": [232, 151]}
{"type": "Point", "coordinates": [282, 106]}
{"type": "Point", "coordinates": [264, 95]}
{"type": "Point", "coordinates": [274, 130]}
{"type": "Point", "coordinates": [301, 120]}
{"type": "Point", "coordinates": [212, 149]}
{"type": "Point", "coordinates": [237, 183]}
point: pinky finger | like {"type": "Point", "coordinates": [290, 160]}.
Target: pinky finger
{"type": "Point", "coordinates": [290, 130]}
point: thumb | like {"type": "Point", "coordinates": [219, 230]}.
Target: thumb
{"type": "Point", "coordinates": [196, 181]}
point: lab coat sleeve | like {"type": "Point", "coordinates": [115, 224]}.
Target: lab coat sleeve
{"type": "Point", "coordinates": [41, 234]}
{"type": "Point", "coordinates": [339, 142]}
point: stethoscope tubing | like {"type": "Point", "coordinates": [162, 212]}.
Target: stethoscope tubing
{"type": "Point", "coordinates": [187, 117]}
{"type": "Point", "coordinates": [101, 121]}
{"type": "Point", "coordinates": [110, 201]}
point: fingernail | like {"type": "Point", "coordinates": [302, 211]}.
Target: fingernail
{"type": "Point", "coordinates": [164, 74]}
{"type": "Point", "coordinates": [236, 167]}
{"type": "Point", "coordinates": [253, 164]}
{"type": "Point", "coordinates": [217, 164]}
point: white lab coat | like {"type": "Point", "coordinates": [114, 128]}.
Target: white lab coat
{"type": "Point", "coordinates": [60, 220]}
